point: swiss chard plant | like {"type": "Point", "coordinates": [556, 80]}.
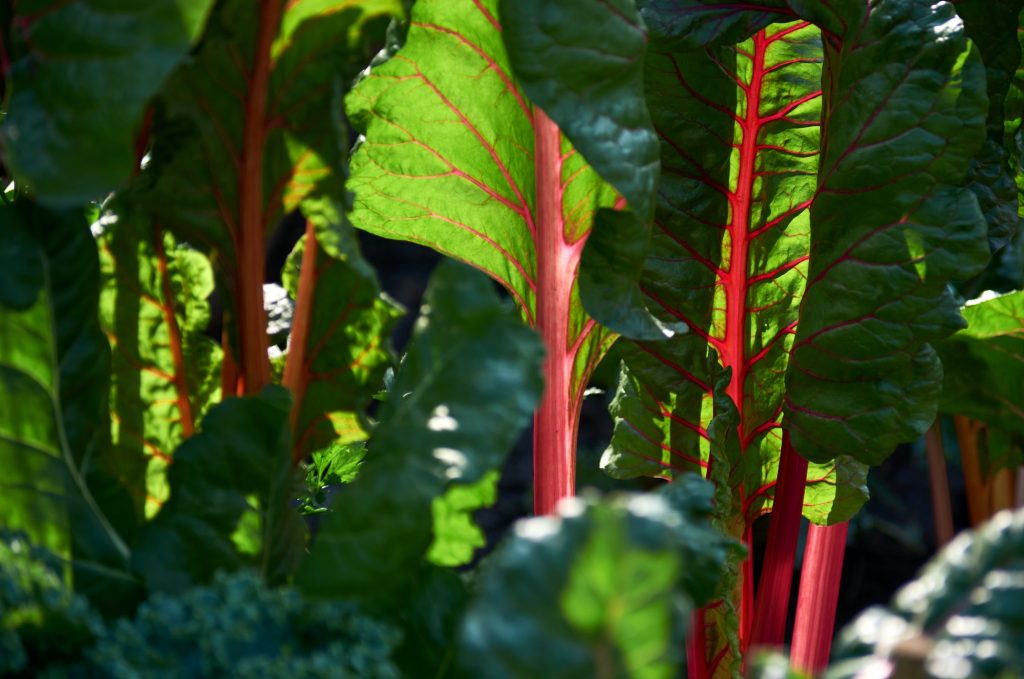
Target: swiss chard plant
{"type": "Point", "coordinates": [765, 204]}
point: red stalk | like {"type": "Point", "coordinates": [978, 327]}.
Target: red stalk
{"type": "Point", "coordinates": [697, 647]}
{"type": "Point", "coordinates": [249, 240]}
{"type": "Point", "coordinates": [772, 603]}
{"type": "Point", "coordinates": [817, 598]}
{"type": "Point", "coordinates": [296, 368]}
{"type": "Point", "coordinates": [554, 423]}
{"type": "Point", "coordinates": [174, 337]}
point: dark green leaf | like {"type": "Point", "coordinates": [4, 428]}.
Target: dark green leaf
{"type": "Point", "coordinates": [87, 70]}
{"type": "Point", "coordinates": [54, 372]}
{"type": "Point", "coordinates": [964, 611]}
{"type": "Point", "coordinates": [237, 466]}
{"type": "Point", "coordinates": [468, 384]}
{"type": "Point", "coordinates": [992, 25]}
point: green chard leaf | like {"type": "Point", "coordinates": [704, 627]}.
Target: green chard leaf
{"type": "Point", "coordinates": [54, 372]}
{"type": "Point", "coordinates": [248, 131]}
{"type": "Point", "coordinates": [729, 258]}
{"type": "Point", "coordinates": [83, 73]}
{"type": "Point", "coordinates": [231, 487]}
{"type": "Point", "coordinates": [456, 158]}
{"type": "Point", "coordinates": [890, 227]}
{"type": "Point", "coordinates": [466, 388]}
{"type": "Point", "coordinates": [806, 236]}
{"type": "Point", "coordinates": [165, 370]}
{"type": "Point", "coordinates": [338, 350]}
{"type": "Point", "coordinates": [601, 590]}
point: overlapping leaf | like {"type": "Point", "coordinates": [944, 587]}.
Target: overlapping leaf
{"type": "Point", "coordinates": [154, 311]}
{"type": "Point", "coordinates": [468, 384]}
{"type": "Point", "coordinates": [448, 161]}
{"type": "Point", "coordinates": [964, 606]}
{"type": "Point", "coordinates": [343, 324]}
{"type": "Point", "coordinates": [230, 505]}
{"type": "Point", "coordinates": [249, 132]}
{"type": "Point", "coordinates": [890, 228]}
{"type": "Point", "coordinates": [993, 26]}
{"type": "Point", "coordinates": [85, 71]}
{"type": "Point", "coordinates": [54, 372]}
{"type": "Point", "coordinates": [600, 590]}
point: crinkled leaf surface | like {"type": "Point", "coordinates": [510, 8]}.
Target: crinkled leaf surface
{"type": "Point", "coordinates": [602, 589]}
{"type": "Point", "coordinates": [346, 348]}
{"type": "Point", "coordinates": [467, 386]}
{"type": "Point", "coordinates": [165, 371]}
{"type": "Point", "coordinates": [237, 466]}
{"type": "Point", "coordinates": [966, 602]}
{"type": "Point", "coordinates": [993, 27]}
{"type": "Point", "coordinates": [54, 372]}
{"type": "Point", "coordinates": [448, 161]}
{"type": "Point", "coordinates": [82, 75]}
{"type": "Point", "coordinates": [890, 227]}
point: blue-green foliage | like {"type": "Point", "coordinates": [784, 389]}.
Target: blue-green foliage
{"type": "Point", "coordinates": [41, 621]}
{"type": "Point", "coordinates": [238, 627]}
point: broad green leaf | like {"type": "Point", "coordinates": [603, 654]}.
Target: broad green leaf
{"type": "Point", "coordinates": [992, 25]}
{"type": "Point", "coordinates": [81, 78]}
{"type": "Point", "coordinates": [601, 590]}
{"type": "Point", "coordinates": [165, 371]}
{"type": "Point", "coordinates": [984, 369]}
{"type": "Point", "coordinates": [249, 132]}
{"type": "Point", "coordinates": [965, 606]}
{"type": "Point", "coordinates": [890, 227]}
{"type": "Point", "coordinates": [467, 386]}
{"type": "Point", "coordinates": [451, 160]}
{"type": "Point", "coordinates": [236, 470]}
{"type": "Point", "coordinates": [456, 536]}
{"type": "Point", "coordinates": [54, 371]}
{"type": "Point", "coordinates": [339, 349]}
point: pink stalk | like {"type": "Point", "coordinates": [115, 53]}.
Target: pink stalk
{"type": "Point", "coordinates": [554, 424]}
{"type": "Point", "coordinates": [817, 598]}
{"type": "Point", "coordinates": [772, 602]}
{"type": "Point", "coordinates": [696, 647]}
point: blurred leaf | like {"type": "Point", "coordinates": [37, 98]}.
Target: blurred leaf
{"type": "Point", "coordinates": [964, 613]}
{"type": "Point", "coordinates": [468, 384]}
{"type": "Point", "coordinates": [85, 71]}
{"type": "Point", "coordinates": [601, 590]}
{"type": "Point", "coordinates": [238, 463]}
